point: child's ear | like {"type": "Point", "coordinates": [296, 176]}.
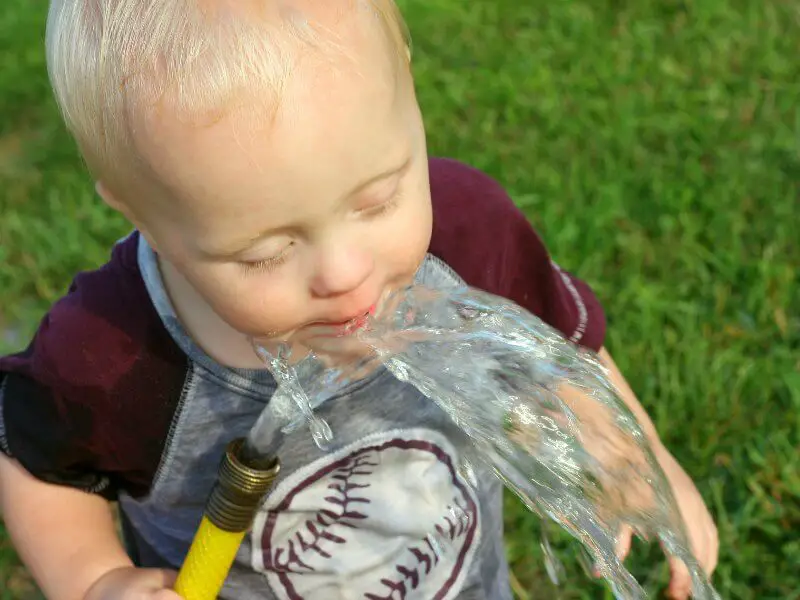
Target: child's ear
{"type": "Point", "coordinates": [118, 205]}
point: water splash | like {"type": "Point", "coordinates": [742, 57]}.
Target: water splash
{"type": "Point", "coordinates": [289, 387]}
{"type": "Point", "coordinates": [553, 566]}
{"type": "Point", "coordinates": [534, 409]}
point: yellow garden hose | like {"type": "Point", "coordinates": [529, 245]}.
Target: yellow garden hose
{"type": "Point", "coordinates": [228, 515]}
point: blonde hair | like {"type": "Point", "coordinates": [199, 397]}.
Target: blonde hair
{"type": "Point", "coordinates": [107, 59]}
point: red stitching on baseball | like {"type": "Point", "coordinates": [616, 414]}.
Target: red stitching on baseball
{"type": "Point", "coordinates": [410, 575]}
{"type": "Point", "coordinates": [424, 559]}
{"type": "Point", "coordinates": [292, 558]}
{"type": "Point", "coordinates": [342, 480]}
{"type": "Point", "coordinates": [317, 529]}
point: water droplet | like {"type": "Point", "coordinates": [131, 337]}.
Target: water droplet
{"type": "Point", "coordinates": [458, 515]}
{"type": "Point", "coordinates": [555, 570]}
{"type": "Point", "coordinates": [586, 562]}
{"type": "Point", "coordinates": [467, 471]}
{"type": "Point", "coordinates": [321, 432]}
{"type": "Point", "coordinates": [438, 543]}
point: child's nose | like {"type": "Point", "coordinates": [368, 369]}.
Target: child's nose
{"type": "Point", "coordinates": [340, 271]}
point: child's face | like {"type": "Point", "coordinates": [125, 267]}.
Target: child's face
{"type": "Point", "coordinates": [310, 218]}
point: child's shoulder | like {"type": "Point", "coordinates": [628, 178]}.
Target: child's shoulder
{"type": "Point", "coordinates": [100, 328]}
{"type": "Point", "coordinates": [461, 192]}
{"type": "Point", "coordinates": [100, 360]}
{"type": "Point", "coordinates": [475, 222]}
{"type": "Point", "coordinates": [485, 238]}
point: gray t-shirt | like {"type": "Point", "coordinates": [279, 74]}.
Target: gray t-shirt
{"type": "Point", "coordinates": [388, 511]}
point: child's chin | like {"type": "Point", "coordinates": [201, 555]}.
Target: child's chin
{"type": "Point", "coordinates": [334, 346]}
{"type": "Point", "coordinates": [338, 348]}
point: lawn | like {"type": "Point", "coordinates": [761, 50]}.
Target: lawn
{"type": "Point", "coordinates": [654, 144]}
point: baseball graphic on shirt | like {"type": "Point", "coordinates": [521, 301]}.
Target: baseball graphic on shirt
{"type": "Point", "coordinates": [387, 518]}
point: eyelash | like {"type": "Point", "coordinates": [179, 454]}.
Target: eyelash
{"type": "Point", "coordinates": [380, 209]}
{"type": "Point", "coordinates": [270, 264]}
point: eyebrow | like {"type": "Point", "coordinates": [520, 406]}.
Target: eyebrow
{"type": "Point", "coordinates": [245, 245]}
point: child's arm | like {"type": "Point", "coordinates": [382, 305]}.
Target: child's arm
{"type": "Point", "coordinates": [699, 523]}
{"type": "Point", "coordinates": [67, 539]}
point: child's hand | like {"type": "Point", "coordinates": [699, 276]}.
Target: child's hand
{"type": "Point", "coordinates": [130, 582]}
{"type": "Point", "coordinates": [699, 527]}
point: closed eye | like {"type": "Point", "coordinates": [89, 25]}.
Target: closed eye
{"type": "Point", "coordinates": [267, 265]}
{"type": "Point", "coordinates": [379, 209]}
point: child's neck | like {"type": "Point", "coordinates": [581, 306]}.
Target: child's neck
{"type": "Point", "coordinates": [217, 339]}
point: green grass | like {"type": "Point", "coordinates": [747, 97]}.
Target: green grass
{"type": "Point", "coordinates": [655, 145]}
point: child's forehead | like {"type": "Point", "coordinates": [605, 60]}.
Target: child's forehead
{"type": "Point", "coordinates": [257, 47]}
{"type": "Point", "coordinates": [196, 59]}
{"type": "Point", "coordinates": [331, 124]}
{"type": "Point", "coordinates": [328, 87]}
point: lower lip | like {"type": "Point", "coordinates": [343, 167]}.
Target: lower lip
{"type": "Point", "coordinates": [347, 327]}
{"type": "Point", "coordinates": [356, 324]}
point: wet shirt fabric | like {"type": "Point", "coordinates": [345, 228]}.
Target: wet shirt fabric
{"type": "Point", "coordinates": [113, 397]}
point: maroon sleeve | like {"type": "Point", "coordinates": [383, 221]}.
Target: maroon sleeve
{"type": "Point", "coordinates": [490, 243]}
{"type": "Point", "coordinates": [89, 402]}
